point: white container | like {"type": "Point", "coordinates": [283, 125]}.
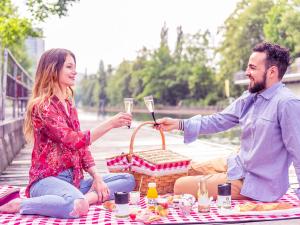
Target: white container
{"type": "Point", "coordinates": [134, 197]}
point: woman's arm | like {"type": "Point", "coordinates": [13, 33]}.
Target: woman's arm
{"type": "Point", "coordinates": [119, 120]}
{"type": "Point", "coordinates": [55, 127]}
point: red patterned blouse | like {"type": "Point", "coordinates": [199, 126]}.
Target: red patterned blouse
{"type": "Point", "coordinates": [58, 143]}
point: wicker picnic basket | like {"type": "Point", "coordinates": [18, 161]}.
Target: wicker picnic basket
{"type": "Point", "coordinates": [161, 166]}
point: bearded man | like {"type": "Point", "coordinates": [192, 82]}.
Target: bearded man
{"type": "Point", "coordinates": [270, 133]}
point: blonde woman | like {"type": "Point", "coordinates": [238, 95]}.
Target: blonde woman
{"type": "Point", "coordinates": [61, 150]}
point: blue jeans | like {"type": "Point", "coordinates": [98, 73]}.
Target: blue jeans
{"type": "Point", "coordinates": [55, 196]}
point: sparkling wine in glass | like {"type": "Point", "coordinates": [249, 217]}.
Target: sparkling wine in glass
{"type": "Point", "coordinates": [128, 103]}
{"type": "Point", "coordinates": [150, 106]}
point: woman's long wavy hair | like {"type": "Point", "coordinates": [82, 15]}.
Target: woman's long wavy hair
{"type": "Point", "coordinates": [46, 82]}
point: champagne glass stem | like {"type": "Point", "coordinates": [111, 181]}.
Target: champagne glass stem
{"type": "Point", "coordinates": [152, 113]}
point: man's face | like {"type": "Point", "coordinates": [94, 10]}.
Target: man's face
{"type": "Point", "coordinates": [257, 72]}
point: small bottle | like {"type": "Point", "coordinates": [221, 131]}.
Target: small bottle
{"type": "Point", "coordinates": [224, 196]}
{"type": "Point", "coordinates": [122, 204]}
{"type": "Point", "coordinates": [203, 199]}
{"type": "Point", "coordinates": [152, 196]}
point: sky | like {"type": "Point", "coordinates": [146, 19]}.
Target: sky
{"type": "Point", "coordinates": [113, 30]}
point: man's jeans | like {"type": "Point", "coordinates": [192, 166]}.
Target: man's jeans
{"type": "Point", "coordinates": [54, 196]}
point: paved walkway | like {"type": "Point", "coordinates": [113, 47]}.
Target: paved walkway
{"type": "Point", "coordinates": [117, 141]}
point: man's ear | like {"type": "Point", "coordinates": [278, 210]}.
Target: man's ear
{"type": "Point", "coordinates": [273, 72]}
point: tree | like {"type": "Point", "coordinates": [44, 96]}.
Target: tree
{"type": "Point", "coordinates": [169, 77]}
{"type": "Point", "coordinates": [157, 74]}
{"type": "Point", "coordinates": [283, 25]}
{"type": "Point", "coordinates": [164, 35]}
{"type": "Point", "coordinates": [102, 86]}
{"type": "Point", "coordinates": [118, 85]}
{"type": "Point", "coordinates": [102, 97]}
{"type": "Point", "coordinates": [140, 68]}
{"type": "Point", "coordinates": [241, 32]}
{"type": "Point", "coordinates": [14, 30]}
{"type": "Point", "coordinates": [42, 9]}
{"type": "Point", "coordinates": [201, 76]}
{"type": "Point", "coordinates": [88, 91]}
{"type": "Point", "coordinates": [179, 43]}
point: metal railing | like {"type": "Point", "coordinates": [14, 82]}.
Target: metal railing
{"type": "Point", "coordinates": [15, 87]}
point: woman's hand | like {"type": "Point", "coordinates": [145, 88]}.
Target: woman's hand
{"type": "Point", "coordinates": [121, 119]}
{"type": "Point", "coordinates": [100, 187]}
{"type": "Point", "coordinates": [167, 124]}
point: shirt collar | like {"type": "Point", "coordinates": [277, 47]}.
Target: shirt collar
{"type": "Point", "coordinates": [271, 91]}
{"type": "Point", "coordinates": [56, 99]}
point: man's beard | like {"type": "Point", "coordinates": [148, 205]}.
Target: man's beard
{"type": "Point", "coordinates": [258, 86]}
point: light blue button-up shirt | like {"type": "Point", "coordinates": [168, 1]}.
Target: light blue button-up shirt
{"type": "Point", "coordinates": [270, 140]}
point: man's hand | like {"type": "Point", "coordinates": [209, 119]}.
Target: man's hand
{"type": "Point", "coordinates": [167, 124]}
{"type": "Point", "coordinates": [100, 187]}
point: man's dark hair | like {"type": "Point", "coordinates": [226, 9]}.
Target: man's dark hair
{"type": "Point", "coordinates": [276, 56]}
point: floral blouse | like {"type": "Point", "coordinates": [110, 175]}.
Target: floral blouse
{"type": "Point", "coordinates": [58, 143]}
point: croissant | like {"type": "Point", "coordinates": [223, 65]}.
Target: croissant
{"type": "Point", "coordinates": [249, 206]}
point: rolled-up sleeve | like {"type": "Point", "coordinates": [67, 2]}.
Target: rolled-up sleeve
{"type": "Point", "coordinates": [87, 159]}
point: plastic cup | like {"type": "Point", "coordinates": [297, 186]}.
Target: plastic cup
{"type": "Point", "coordinates": [134, 197]}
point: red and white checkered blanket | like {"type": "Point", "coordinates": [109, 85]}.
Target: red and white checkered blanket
{"type": "Point", "coordinates": [97, 215]}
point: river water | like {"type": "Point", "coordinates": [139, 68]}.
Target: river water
{"type": "Point", "coordinates": [230, 137]}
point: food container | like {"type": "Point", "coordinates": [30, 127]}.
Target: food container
{"type": "Point", "coordinates": [122, 204]}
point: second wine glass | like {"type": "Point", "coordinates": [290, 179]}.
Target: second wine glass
{"type": "Point", "coordinates": [150, 106]}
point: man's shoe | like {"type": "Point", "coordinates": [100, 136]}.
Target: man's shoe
{"type": "Point", "coordinates": [9, 195]}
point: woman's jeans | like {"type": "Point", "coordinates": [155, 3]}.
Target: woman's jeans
{"type": "Point", "coordinates": [54, 196]}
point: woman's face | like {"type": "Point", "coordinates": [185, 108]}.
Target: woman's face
{"type": "Point", "coordinates": [68, 72]}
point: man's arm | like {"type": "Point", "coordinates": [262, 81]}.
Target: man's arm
{"type": "Point", "coordinates": [214, 123]}
{"type": "Point", "coordinates": [290, 128]}
{"type": "Point", "coordinates": [197, 125]}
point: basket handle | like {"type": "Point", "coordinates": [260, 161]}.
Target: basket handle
{"type": "Point", "coordinates": [137, 129]}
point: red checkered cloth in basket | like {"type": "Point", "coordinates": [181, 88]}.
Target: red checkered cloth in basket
{"type": "Point", "coordinates": [118, 163]}
{"type": "Point", "coordinates": [97, 215]}
{"type": "Point", "coordinates": [142, 166]}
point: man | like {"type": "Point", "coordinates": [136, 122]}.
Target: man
{"type": "Point", "coordinates": [268, 114]}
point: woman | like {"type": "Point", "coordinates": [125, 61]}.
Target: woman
{"type": "Point", "coordinates": [60, 152]}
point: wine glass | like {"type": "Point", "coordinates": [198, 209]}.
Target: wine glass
{"type": "Point", "coordinates": [150, 106]}
{"type": "Point", "coordinates": [128, 103]}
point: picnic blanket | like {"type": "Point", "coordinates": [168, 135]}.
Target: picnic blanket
{"type": "Point", "coordinates": [97, 215]}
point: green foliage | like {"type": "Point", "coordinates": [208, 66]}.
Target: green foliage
{"type": "Point", "coordinates": [14, 30]}
{"type": "Point", "coordinates": [186, 75]}
{"type": "Point", "coordinates": [283, 26]}
{"type": "Point", "coordinates": [102, 82]}
{"type": "Point", "coordinates": [118, 84]}
{"type": "Point", "coordinates": [241, 32]}
{"type": "Point", "coordinates": [42, 9]}
{"type": "Point", "coordinates": [169, 77]}
{"type": "Point", "coordinates": [88, 91]}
